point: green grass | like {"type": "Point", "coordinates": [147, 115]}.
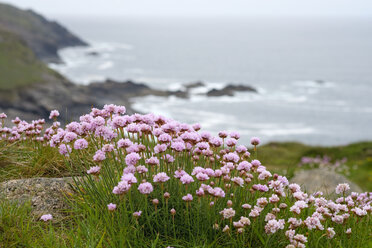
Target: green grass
{"type": "Point", "coordinates": [286, 156]}
{"type": "Point", "coordinates": [24, 162]}
{"type": "Point", "coordinates": [18, 65]}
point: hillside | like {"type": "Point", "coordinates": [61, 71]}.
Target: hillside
{"type": "Point", "coordinates": [18, 65]}
{"type": "Point", "coordinates": [44, 37]}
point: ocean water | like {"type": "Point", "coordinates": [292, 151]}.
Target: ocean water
{"type": "Point", "coordinates": [283, 58]}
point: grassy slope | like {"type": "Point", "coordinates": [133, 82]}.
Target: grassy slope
{"type": "Point", "coordinates": [285, 156]}
{"type": "Point", "coordinates": [18, 64]}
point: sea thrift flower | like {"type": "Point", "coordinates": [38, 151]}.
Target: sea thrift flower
{"type": "Point", "coordinates": [226, 229]}
{"type": "Point", "coordinates": [255, 141]}
{"type": "Point", "coordinates": [348, 231]}
{"type": "Point", "coordinates": [129, 178]}
{"type": "Point", "coordinates": [173, 212]}
{"type": "Point", "coordinates": [145, 188]}
{"type": "Point", "coordinates": [137, 214]}
{"type": "Point", "coordinates": [121, 188]}
{"type": "Point", "coordinates": [342, 188]}
{"type": "Point", "coordinates": [187, 198]}
{"type": "Point", "coordinates": [64, 149]}
{"type": "Point", "coordinates": [80, 144]}
{"type": "Point", "coordinates": [238, 181]}
{"type": "Point", "coordinates": [186, 179]}
{"type": "Point", "coordinates": [111, 207]}
{"type": "Point", "coordinates": [273, 226]}
{"type": "Point", "coordinates": [99, 156]}
{"type": "Point", "coordinates": [228, 213]}
{"type": "Point", "coordinates": [330, 232]}
{"type": "Point", "coordinates": [161, 177]}
{"type": "Point", "coordinates": [223, 134]}
{"type": "Point", "coordinates": [46, 217]}
{"type": "Point", "coordinates": [132, 158]}
{"type": "Point", "coordinates": [95, 170]}
{"type": "Point", "coordinates": [246, 206]}
{"type": "Point", "coordinates": [53, 114]}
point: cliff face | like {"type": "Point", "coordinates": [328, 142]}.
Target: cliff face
{"type": "Point", "coordinates": [44, 37]}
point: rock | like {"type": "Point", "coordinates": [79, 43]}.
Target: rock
{"type": "Point", "coordinates": [230, 89]}
{"type": "Point", "coordinates": [322, 179]}
{"type": "Point", "coordinates": [194, 85]}
{"type": "Point", "coordinates": [47, 195]}
{"type": "Point", "coordinates": [92, 53]}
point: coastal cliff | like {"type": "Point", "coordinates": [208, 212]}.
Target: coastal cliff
{"type": "Point", "coordinates": [44, 37]}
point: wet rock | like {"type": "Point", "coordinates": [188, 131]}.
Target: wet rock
{"type": "Point", "coordinates": [47, 195]}
{"type": "Point", "coordinates": [230, 90]}
{"type": "Point", "coordinates": [322, 179]}
{"type": "Point", "coordinates": [193, 85]}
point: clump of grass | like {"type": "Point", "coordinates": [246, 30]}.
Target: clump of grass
{"type": "Point", "coordinates": [20, 228]}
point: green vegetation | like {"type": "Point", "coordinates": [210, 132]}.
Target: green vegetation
{"type": "Point", "coordinates": [18, 64]}
{"type": "Point", "coordinates": [286, 156]}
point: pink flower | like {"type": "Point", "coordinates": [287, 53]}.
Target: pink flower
{"type": "Point", "coordinates": [186, 179]}
{"type": "Point", "coordinates": [122, 188]}
{"type": "Point", "coordinates": [132, 158]}
{"type": "Point", "coordinates": [202, 177]}
{"type": "Point", "coordinates": [64, 149]}
{"type": "Point", "coordinates": [95, 170]}
{"type": "Point", "coordinates": [238, 180]}
{"type": "Point", "coordinates": [99, 156]}
{"type": "Point", "coordinates": [228, 213]}
{"type": "Point", "coordinates": [342, 188]}
{"type": "Point", "coordinates": [187, 198]}
{"type": "Point", "coordinates": [161, 177]}
{"type": "Point", "coordinates": [129, 178]}
{"type": "Point", "coordinates": [111, 206]}
{"type": "Point", "coordinates": [255, 141]}
{"type": "Point", "coordinates": [145, 188]}
{"type": "Point", "coordinates": [46, 217]}
{"type": "Point", "coordinates": [53, 114]}
{"type": "Point", "coordinates": [137, 214]}
{"type": "Point", "coordinates": [80, 144]}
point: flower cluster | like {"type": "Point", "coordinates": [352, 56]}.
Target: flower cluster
{"type": "Point", "coordinates": [138, 158]}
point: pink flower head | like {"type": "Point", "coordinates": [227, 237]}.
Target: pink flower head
{"type": "Point", "coordinates": [145, 188]}
{"type": "Point", "coordinates": [111, 207]}
{"type": "Point", "coordinates": [202, 177]}
{"type": "Point", "coordinates": [80, 144]}
{"type": "Point", "coordinates": [46, 217]}
{"type": "Point", "coordinates": [141, 169]}
{"type": "Point", "coordinates": [238, 181]}
{"type": "Point", "coordinates": [342, 188]}
{"type": "Point", "coordinates": [161, 177]}
{"type": "Point", "coordinates": [223, 134]}
{"type": "Point", "coordinates": [99, 156]}
{"type": "Point", "coordinates": [228, 213]}
{"type": "Point", "coordinates": [64, 149]}
{"type": "Point", "coordinates": [152, 161]}
{"type": "Point", "coordinates": [95, 170]}
{"type": "Point", "coordinates": [132, 158]}
{"type": "Point", "coordinates": [178, 146]}
{"type": "Point", "coordinates": [235, 135]}
{"type": "Point", "coordinates": [129, 178]}
{"type": "Point", "coordinates": [187, 198]}
{"type": "Point", "coordinates": [53, 114]}
{"type": "Point", "coordinates": [137, 214]}
{"type": "Point", "coordinates": [122, 188]}
{"type": "Point", "coordinates": [255, 141]}
{"type": "Point", "coordinates": [186, 179]}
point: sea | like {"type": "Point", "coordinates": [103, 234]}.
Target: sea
{"type": "Point", "coordinates": [313, 76]}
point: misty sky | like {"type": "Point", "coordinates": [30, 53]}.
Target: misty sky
{"type": "Point", "coordinates": [197, 8]}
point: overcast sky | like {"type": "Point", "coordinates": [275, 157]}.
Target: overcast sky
{"type": "Point", "coordinates": [193, 8]}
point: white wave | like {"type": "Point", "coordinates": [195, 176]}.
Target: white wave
{"type": "Point", "coordinates": [105, 65]}
{"type": "Point", "coordinates": [314, 84]}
